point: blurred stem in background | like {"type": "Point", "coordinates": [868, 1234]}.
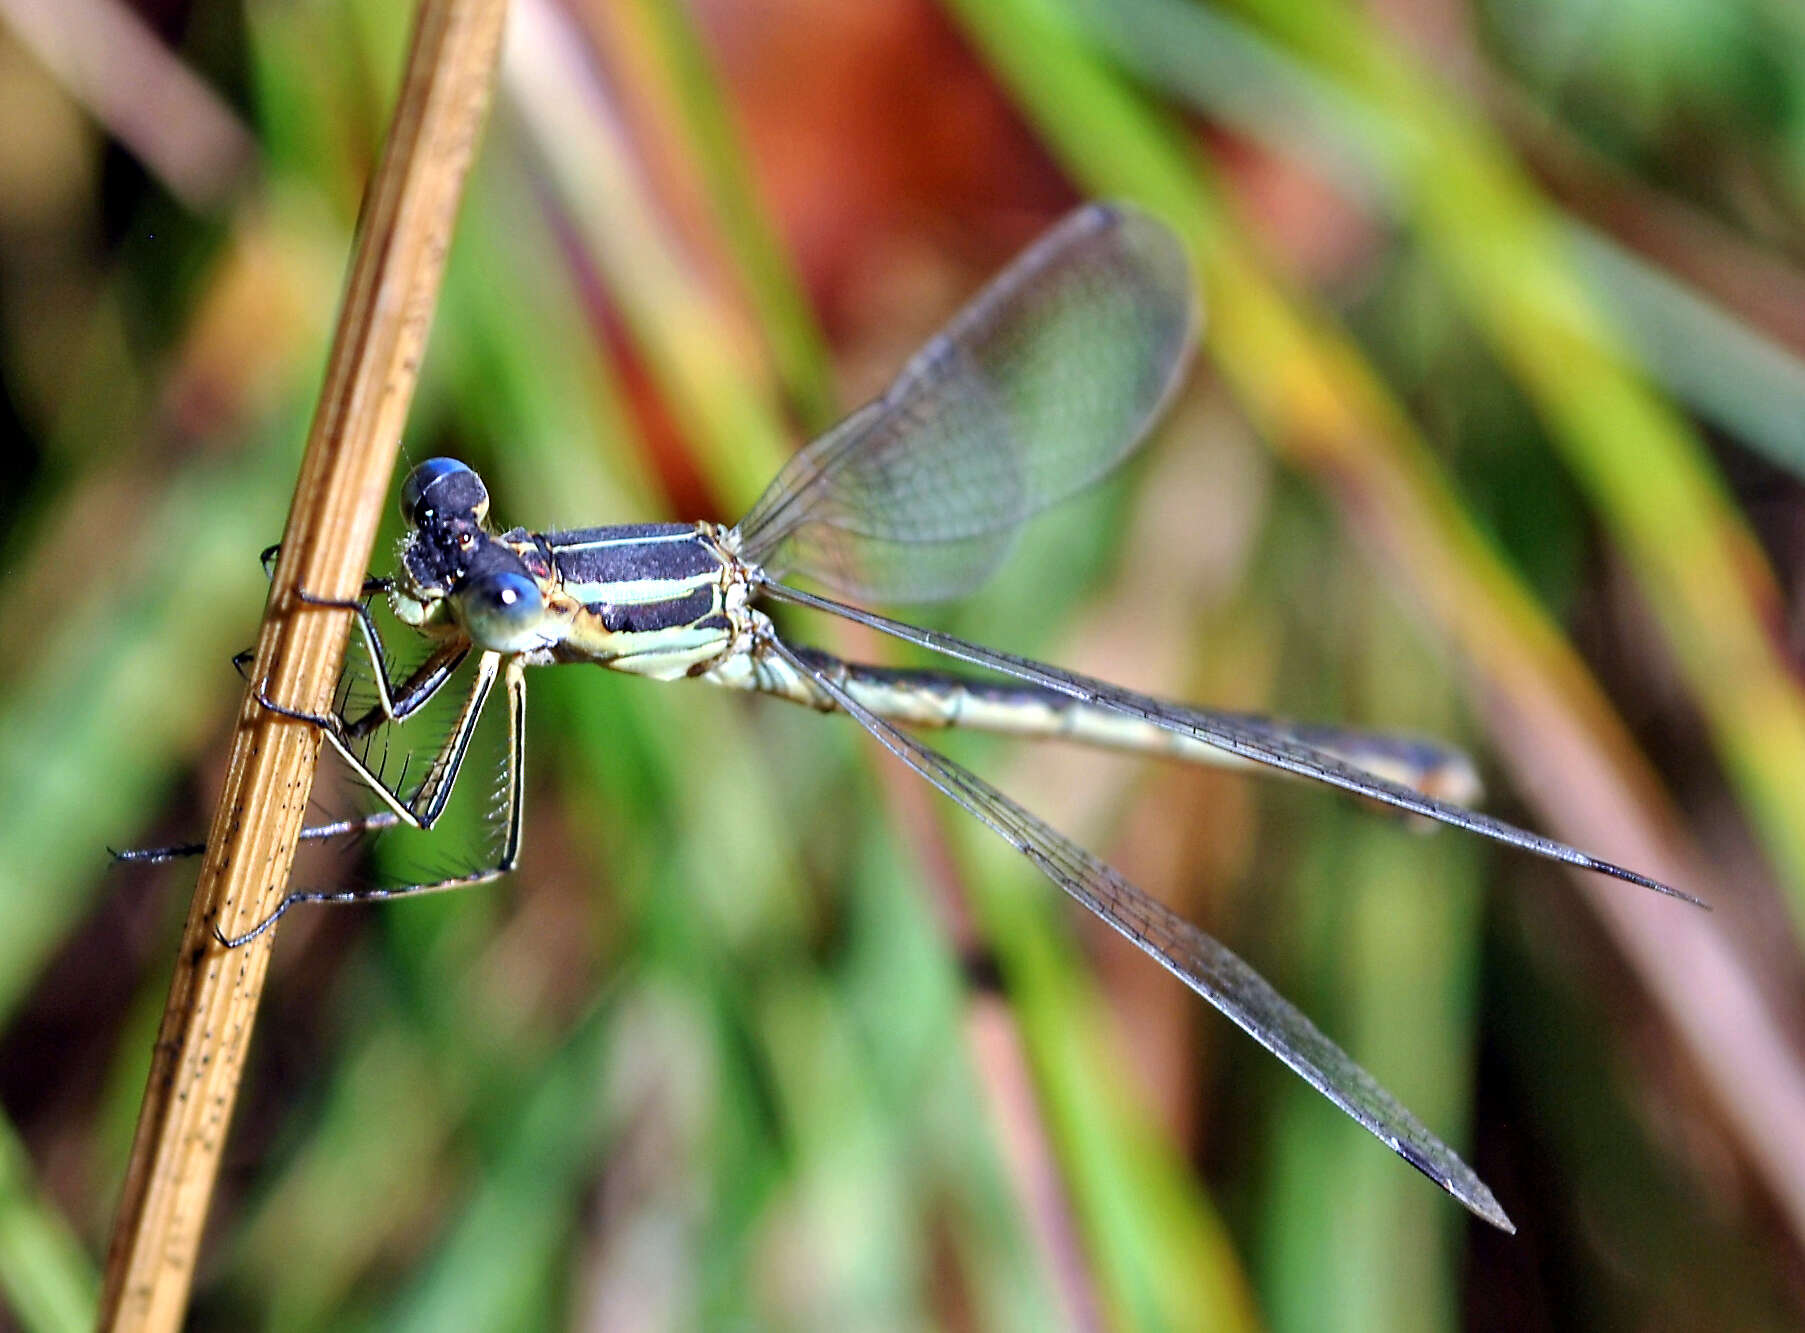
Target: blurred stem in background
{"type": "Point", "coordinates": [671, 47]}
{"type": "Point", "coordinates": [1505, 258]}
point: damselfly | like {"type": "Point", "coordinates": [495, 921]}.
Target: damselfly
{"type": "Point", "coordinates": [1045, 382]}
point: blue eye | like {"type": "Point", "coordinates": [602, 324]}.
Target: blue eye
{"type": "Point", "coordinates": [443, 487]}
{"type": "Point", "coordinates": [502, 612]}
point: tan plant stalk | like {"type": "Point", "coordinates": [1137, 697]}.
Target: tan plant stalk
{"type": "Point", "coordinates": [398, 259]}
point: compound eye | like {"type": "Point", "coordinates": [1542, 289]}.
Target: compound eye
{"type": "Point", "coordinates": [502, 612]}
{"type": "Point", "coordinates": [443, 487]}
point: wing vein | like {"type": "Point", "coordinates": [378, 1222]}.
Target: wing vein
{"type": "Point", "coordinates": [1199, 960]}
{"type": "Point", "coordinates": [1230, 734]}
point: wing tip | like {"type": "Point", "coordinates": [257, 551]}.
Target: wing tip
{"type": "Point", "coordinates": [1648, 882]}
{"type": "Point", "coordinates": [1467, 1187]}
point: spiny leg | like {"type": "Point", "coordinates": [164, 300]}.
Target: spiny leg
{"type": "Point", "coordinates": [412, 694]}
{"type": "Point", "coordinates": [394, 702]}
{"type": "Point", "coordinates": [428, 802]}
{"type": "Point", "coordinates": [376, 822]}
{"type": "Point", "coordinates": [373, 583]}
{"type": "Point", "coordinates": [425, 682]}
{"type": "Point", "coordinates": [423, 808]}
{"type": "Point", "coordinates": [403, 700]}
{"type": "Point", "coordinates": [516, 799]}
{"type": "Point", "coordinates": [407, 698]}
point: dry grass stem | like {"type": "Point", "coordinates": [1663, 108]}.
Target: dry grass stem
{"type": "Point", "coordinates": [400, 252]}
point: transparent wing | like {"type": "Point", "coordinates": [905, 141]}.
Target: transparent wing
{"type": "Point", "coordinates": [1043, 383]}
{"type": "Point", "coordinates": [1253, 741]}
{"type": "Point", "coordinates": [1195, 958]}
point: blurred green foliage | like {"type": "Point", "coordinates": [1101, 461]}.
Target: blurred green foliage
{"type": "Point", "coordinates": [1512, 295]}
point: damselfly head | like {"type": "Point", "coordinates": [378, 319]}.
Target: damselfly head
{"type": "Point", "coordinates": [441, 490]}
{"type": "Point", "coordinates": [455, 571]}
{"type": "Point", "coordinates": [444, 504]}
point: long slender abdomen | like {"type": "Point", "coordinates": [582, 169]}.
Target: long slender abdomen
{"type": "Point", "coordinates": [937, 699]}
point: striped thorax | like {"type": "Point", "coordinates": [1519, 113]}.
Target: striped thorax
{"type": "Point", "coordinates": [664, 600]}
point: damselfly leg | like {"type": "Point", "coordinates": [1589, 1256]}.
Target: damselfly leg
{"type": "Point", "coordinates": [395, 701]}
{"type": "Point", "coordinates": [426, 803]}
{"type": "Point", "coordinates": [416, 804]}
{"type": "Point", "coordinates": [376, 821]}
